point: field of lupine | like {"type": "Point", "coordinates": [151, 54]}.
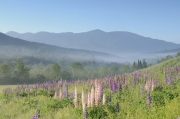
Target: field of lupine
{"type": "Point", "coordinates": [152, 93]}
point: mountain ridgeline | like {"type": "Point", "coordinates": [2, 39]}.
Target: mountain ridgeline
{"type": "Point", "coordinates": [118, 42]}
{"type": "Point", "coordinates": [11, 48]}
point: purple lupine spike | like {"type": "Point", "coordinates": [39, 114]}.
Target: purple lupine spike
{"type": "Point", "coordinates": [117, 85]}
{"type": "Point", "coordinates": [36, 116]}
{"type": "Point", "coordinates": [85, 111]}
{"type": "Point", "coordinates": [169, 78]}
{"type": "Point", "coordinates": [65, 90]}
{"type": "Point", "coordinates": [155, 81]}
{"type": "Point", "coordinates": [148, 100]}
{"type": "Point", "coordinates": [145, 79]}
{"type": "Point", "coordinates": [113, 87]}
{"type": "Point", "coordinates": [124, 79]}
{"type": "Point", "coordinates": [149, 86]}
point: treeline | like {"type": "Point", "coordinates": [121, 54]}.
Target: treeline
{"type": "Point", "coordinates": [168, 58]}
{"type": "Point", "coordinates": [16, 72]}
{"type": "Point", "coordinates": [140, 64]}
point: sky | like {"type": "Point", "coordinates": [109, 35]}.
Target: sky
{"type": "Point", "coordinates": [159, 19]}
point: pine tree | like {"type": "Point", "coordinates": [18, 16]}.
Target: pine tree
{"type": "Point", "coordinates": [144, 63]}
{"type": "Point", "coordinates": [140, 64]}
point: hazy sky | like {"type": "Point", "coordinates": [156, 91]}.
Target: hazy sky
{"type": "Point", "coordinates": [152, 18]}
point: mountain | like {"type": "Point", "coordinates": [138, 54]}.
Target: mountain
{"type": "Point", "coordinates": [14, 47]}
{"type": "Point", "coordinates": [169, 51]}
{"type": "Point", "coordinates": [117, 42]}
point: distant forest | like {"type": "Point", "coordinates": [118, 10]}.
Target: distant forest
{"type": "Point", "coordinates": [24, 71]}
{"type": "Point", "coordinates": [27, 70]}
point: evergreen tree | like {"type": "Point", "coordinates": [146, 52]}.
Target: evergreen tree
{"type": "Point", "coordinates": [144, 63]}
{"type": "Point", "coordinates": [140, 65]}
{"type": "Point", "coordinates": [135, 65]}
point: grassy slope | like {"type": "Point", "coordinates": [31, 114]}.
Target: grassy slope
{"type": "Point", "coordinates": [171, 62]}
{"type": "Point", "coordinates": [165, 102]}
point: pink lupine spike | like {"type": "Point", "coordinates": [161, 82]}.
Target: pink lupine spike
{"type": "Point", "coordinates": [92, 96]}
{"type": "Point", "coordinates": [75, 97]}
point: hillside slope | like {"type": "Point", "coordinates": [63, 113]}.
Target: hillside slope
{"type": "Point", "coordinates": [169, 63]}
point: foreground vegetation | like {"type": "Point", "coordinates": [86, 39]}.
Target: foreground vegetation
{"type": "Point", "coordinates": [151, 93]}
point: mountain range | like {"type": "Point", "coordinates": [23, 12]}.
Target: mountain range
{"type": "Point", "coordinates": [117, 42]}
{"type": "Point", "coordinates": [14, 47]}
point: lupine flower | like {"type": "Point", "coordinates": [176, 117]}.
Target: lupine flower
{"type": "Point", "coordinates": [92, 96]}
{"type": "Point", "coordinates": [146, 86]}
{"type": "Point", "coordinates": [55, 93]}
{"type": "Point", "coordinates": [65, 90]}
{"type": "Point", "coordinates": [97, 88]}
{"type": "Point", "coordinates": [89, 100]}
{"type": "Point", "coordinates": [148, 100]}
{"type": "Point", "coordinates": [152, 85]}
{"type": "Point", "coordinates": [85, 111]}
{"type": "Point", "coordinates": [82, 97]}
{"type": "Point", "coordinates": [60, 94]}
{"type": "Point", "coordinates": [75, 98]}
{"type": "Point", "coordinates": [126, 82]}
{"type": "Point", "coordinates": [36, 116]}
{"type": "Point", "coordinates": [113, 87]}
{"type": "Point", "coordinates": [117, 85]}
{"type": "Point", "coordinates": [149, 85]}
{"type": "Point", "coordinates": [169, 79]}
{"type": "Point", "coordinates": [144, 79]}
